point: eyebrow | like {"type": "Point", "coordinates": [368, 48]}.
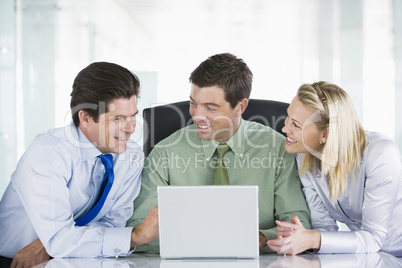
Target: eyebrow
{"type": "Point", "coordinates": [120, 115]}
{"type": "Point", "coordinates": [207, 103]}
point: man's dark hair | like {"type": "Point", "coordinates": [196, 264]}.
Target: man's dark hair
{"type": "Point", "coordinates": [228, 72]}
{"type": "Point", "coordinates": [97, 85]}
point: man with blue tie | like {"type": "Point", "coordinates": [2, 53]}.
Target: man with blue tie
{"type": "Point", "coordinates": [73, 189]}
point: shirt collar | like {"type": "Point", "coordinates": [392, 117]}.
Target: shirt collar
{"type": "Point", "coordinates": [88, 150]}
{"type": "Point", "coordinates": [236, 142]}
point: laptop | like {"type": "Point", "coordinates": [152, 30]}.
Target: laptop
{"type": "Point", "coordinates": [208, 221]}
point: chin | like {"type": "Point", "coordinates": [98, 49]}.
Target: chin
{"type": "Point", "coordinates": [205, 137]}
{"type": "Point", "coordinates": [290, 150]}
{"type": "Point", "coordinates": [121, 150]}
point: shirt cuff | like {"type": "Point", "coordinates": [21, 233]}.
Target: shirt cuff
{"type": "Point", "coordinates": [270, 233]}
{"type": "Point", "coordinates": [337, 242]}
{"type": "Point", "coordinates": [117, 241]}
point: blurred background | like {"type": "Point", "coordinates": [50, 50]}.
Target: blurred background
{"type": "Point", "coordinates": [356, 44]}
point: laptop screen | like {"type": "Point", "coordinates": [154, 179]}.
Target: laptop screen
{"type": "Point", "coordinates": [208, 221]}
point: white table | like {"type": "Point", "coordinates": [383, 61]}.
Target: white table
{"type": "Point", "coordinates": [139, 260]}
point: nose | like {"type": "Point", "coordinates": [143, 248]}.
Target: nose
{"type": "Point", "coordinates": [196, 113]}
{"type": "Point", "coordinates": [129, 127]}
{"type": "Point", "coordinates": [286, 128]}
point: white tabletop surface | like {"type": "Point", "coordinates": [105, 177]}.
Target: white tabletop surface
{"type": "Point", "coordinates": [138, 260]}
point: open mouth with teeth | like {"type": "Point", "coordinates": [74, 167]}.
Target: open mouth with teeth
{"type": "Point", "coordinates": [203, 126]}
{"type": "Point", "coordinates": [121, 138]}
{"type": "Point", "coordinates": [290, 141]}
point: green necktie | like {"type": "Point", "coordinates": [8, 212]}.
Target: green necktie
{"type": "Point", "coordinates": [220, 172]}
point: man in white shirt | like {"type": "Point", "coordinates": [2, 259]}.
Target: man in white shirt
{"type": "Point", "coordinates": [58, 180]}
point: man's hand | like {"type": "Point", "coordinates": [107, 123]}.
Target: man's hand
{"type": "Point", "coordinates": [263, 240]}
{"type": "Point", "coordinates": [147, 231]}
{"type": "Point", "coordinates": [31, 255]}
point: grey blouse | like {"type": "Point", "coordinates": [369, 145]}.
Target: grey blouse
{"type": "Point", "coordinates": [371, 207]}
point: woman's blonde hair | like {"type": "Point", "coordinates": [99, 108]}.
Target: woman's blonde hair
{"type": "Point", "coordinates": [346, 139]}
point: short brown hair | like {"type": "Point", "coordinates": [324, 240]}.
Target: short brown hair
{"type": "Point", "coordinates": [99, 84]}
{"type": "Point", "coordinates": [228, 72]}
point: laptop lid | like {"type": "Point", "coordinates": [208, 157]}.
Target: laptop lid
{"type": "Point", "coordinates": [208, 221]}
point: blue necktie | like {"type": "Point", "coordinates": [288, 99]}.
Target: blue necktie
{"type": "Point", "coordinates": [107, 182]}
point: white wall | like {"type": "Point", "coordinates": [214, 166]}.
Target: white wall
{"type": "Point", "coordinates": [45, 43]}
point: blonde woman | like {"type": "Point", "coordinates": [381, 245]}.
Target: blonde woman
{"type": "Point", "coordinates": [348, 174]}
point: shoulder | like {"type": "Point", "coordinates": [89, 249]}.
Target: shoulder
{"type": "Point", "coordinates": [264, 139]}
{"type": "Point", "coordinates": [50, 143]}
{"type": "Point", "coordinates": [63, 138]}
{"type": "Point", "coordinates": [379, 144]}
{"type": "Point", "coordinates": [381, 152]}
{"type": "Point", "coordinates": [58, 146]}
{"type": "Point", "coordinates": [47, 155]}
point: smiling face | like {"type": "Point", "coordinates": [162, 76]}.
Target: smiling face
{"type": "Point", "coordinates": [303, 136]}
{"type": "Point", "coordinates": [213, 116]}
{"type": "Point", "coordinates": [114, 128]}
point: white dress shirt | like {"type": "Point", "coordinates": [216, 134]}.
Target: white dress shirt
{"type": "Point", "coordinates": [371, 206]}
{"type": "Point", "coordinates": [56, 181]}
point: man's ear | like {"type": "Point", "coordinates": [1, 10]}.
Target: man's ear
{"type": "Point", "coordinates": [242, 106]}
{"type": "Point", "coordinates": [84, 117]}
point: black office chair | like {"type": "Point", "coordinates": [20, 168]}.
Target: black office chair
{"type": "Point", "coordinates": [161, 121]}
